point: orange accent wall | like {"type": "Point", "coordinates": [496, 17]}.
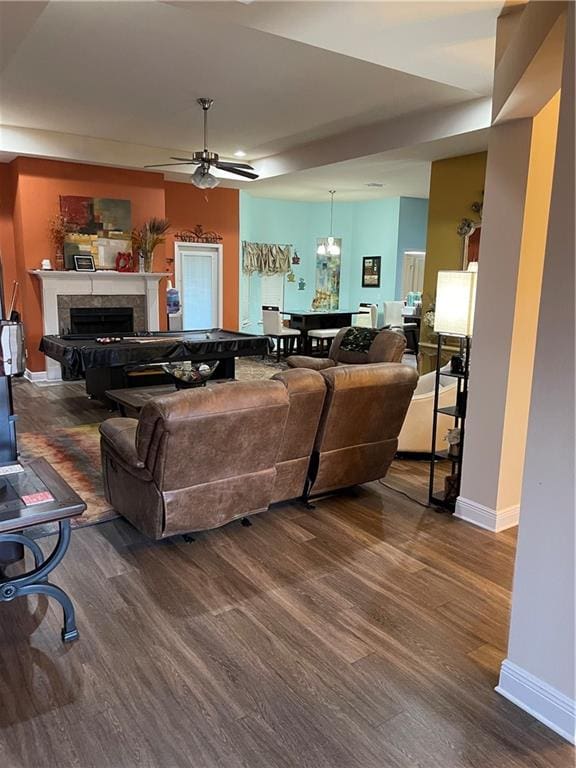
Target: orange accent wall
{"type": "Point", "coordinates": [218, 210]}
{"type": "Point", "coordinates": [7, 250]}
{"type": "Point", "coordinates": [30, 189]}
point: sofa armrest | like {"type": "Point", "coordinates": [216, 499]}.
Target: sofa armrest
{"type": "Point", "coordinates": [314, 363]}
{"type": "Point", "coordinates": [120, 436]}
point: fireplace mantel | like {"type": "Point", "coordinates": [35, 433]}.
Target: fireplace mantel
{"type": "Point", "coordinates": [104, 283]}
{"type": "Point", "coordinates": [104, 274]}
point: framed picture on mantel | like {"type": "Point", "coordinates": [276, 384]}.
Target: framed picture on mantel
{"type": "Point", "coordinates": [371, 271]}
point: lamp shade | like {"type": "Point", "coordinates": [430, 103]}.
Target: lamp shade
{"type": "Point", "coordinates": [455, 302]}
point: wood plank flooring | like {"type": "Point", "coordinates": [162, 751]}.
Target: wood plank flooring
{"type": "Point", "coordinates": [366, 633]}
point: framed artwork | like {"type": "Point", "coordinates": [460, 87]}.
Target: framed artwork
{"type": "Point", "coordinates": [327, 295]}
{"type": "Point", "coordinates": [95, 226]}
{"type": "Point", "coordinates": [371, 271]}
{"type": "Point", "coordinates": [84, 263]}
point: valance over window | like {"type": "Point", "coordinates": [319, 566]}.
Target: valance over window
{"type": "Point", "coordinates": [265, 258]}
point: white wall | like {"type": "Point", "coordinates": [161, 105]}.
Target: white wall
{"type": "Point", "coordinates": [539, 673]}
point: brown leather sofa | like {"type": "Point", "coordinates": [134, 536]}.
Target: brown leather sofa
{"type": "Point", "coordinates": [306, 392]}
{"type": "Point", "coordinates": [196, 459]}
{"type": "Point", "coordinates": [379, 347]}
{"type": "Point", "coordinates": [200, 458]}
{"type": "Point", "coordinates": [362, 417]}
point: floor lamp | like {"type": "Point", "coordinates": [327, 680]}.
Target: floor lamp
{"type": "Point", "coordinates": [454, 317]}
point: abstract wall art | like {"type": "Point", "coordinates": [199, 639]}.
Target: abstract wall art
{"type": "Point", "coordinates": [328, 277]}
{"type": "Point", "coordinates": [95, 226]}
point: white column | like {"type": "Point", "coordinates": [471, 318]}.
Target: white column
{"type": "Point", "coordinates": [517, 191]}
{"type": "Point", "coordinates": [540, 672]}
{"type": "Point", "coordinates": [498, 268]}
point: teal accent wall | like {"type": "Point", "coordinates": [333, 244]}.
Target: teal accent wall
{"type": "Point", "coordinates": [412, 226]}
{"type": "Point", "coordinates": [367, 228]}
{"type": "Point", "coordinates": [375, 234]}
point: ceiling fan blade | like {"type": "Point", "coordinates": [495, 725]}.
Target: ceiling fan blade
{"type": "Point", "coordinates": [186, 160]}
{"type": "Point", "coordinates": [163, 165]}
{"type": "Point", "coordinates": [228, 165]}
{"type": "Point", "coordinates": [237, 171]}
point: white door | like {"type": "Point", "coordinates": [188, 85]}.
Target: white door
{"type": "Point", "coordinates": [199, 281]}
{"type": "Point", "coordinates": [413, 272]}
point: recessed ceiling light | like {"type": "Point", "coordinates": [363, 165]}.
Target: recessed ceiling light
{"type": "Point", "coordinates": [239, 153]}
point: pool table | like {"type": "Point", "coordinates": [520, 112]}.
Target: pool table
{"type": "Point", "coordinates": [135, 360]}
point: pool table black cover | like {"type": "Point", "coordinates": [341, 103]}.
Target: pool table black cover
{"type": "Point", "coordinates": [79, 354]}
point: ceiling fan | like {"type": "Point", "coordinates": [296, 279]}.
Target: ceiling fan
{"type": "Point", "coordinates": [205, 160]}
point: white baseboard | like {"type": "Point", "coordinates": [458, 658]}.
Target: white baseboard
{"type": "Point", "coordinates": [546, 704]}
{"type": "Point", "coordinates": [35, 375]}
{"type": "Point", "coordinates": [492, 519]}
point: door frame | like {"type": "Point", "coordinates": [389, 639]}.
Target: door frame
{"type": "Point", "coordinates": [217, 252]}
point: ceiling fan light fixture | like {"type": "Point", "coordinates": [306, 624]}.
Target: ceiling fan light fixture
{"type": "Point", "coordinates": [203, 179]}
{"type": "Point", "coordinates": [205, 159]}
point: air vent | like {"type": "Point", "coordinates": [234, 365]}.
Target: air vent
{"type": "Point", "coordinates": [374, 184]}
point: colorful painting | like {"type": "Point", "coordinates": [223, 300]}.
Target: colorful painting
{"type": "Point", "coordinates": [328, 277]}
{"type": "Point", "coordinates": [95, 226]}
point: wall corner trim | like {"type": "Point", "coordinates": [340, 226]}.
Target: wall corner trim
{"type": "Point", "coordinates": [542, 701]}
{"type": "Point", "coordinates": [484, 517]}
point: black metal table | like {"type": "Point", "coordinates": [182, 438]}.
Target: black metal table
{"type": "Point", "coordinates": [20, 509]}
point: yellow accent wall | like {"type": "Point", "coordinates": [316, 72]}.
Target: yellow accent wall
{"type": "Point", "coordinates": [455, 183]}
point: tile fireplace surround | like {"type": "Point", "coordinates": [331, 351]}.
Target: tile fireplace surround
{"type": "Point", "coordinates": [95, 289]}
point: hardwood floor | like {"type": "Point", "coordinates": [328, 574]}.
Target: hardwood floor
{"type": "Point", "coordinates": [366, 633]}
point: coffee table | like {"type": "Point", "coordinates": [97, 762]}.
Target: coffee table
{"type": "Point", "coordinates": [135, 398]}
{"type": "Point", "coordinates": [36, 496]}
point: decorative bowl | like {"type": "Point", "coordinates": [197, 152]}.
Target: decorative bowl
{"type": "Point", "coordinates": [187, 374]}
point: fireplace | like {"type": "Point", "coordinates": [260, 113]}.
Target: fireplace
{"type": "Point", "coordinates": [101, 315]}
{"type": "Point", "coordinates": [101, 321]}
{"type": "Point", "coordinates": [63, 291]}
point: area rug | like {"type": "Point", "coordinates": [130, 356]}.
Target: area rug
{"type": "Point", "coordinates": [74, 452]}
{"type": "Point", "coordinates": [250, 368]}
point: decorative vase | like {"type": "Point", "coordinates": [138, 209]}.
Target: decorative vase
{"type": "Point", "coordinates": [148, 261]}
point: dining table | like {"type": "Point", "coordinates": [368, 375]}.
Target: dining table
{"type": "Point", "coordinates": [305, 320]}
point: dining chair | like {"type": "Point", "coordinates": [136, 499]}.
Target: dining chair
{"type": "Point", "coordinates": [273, 327]}
{"type": "Point", "coordinates": [367, 316]}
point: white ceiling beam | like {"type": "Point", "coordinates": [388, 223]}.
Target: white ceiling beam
{"type": "Point", "coordinates": [407, 131]}
{"type": "Point", "coordinates": [529, 71]}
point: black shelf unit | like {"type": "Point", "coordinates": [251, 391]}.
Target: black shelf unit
{"type": "Point", "coordinates": [458, 412]}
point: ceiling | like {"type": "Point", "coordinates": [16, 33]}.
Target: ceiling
{"type": "Point", "coordinates": [398, 173]}
{"type": "Point", "coordinates": [116, 83]}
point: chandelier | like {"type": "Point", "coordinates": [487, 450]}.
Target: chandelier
{"type": "Point", "coordinates": [330, 247]}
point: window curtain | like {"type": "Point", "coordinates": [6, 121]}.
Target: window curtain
{"type": "Point", "coordinates": [266, 259]}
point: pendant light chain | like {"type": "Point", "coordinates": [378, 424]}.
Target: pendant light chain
{"type": "Point", "coordinates": [332, 193]}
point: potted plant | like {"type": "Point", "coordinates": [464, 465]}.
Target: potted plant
{"type": "Point", "coordinates": [147, 238]}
